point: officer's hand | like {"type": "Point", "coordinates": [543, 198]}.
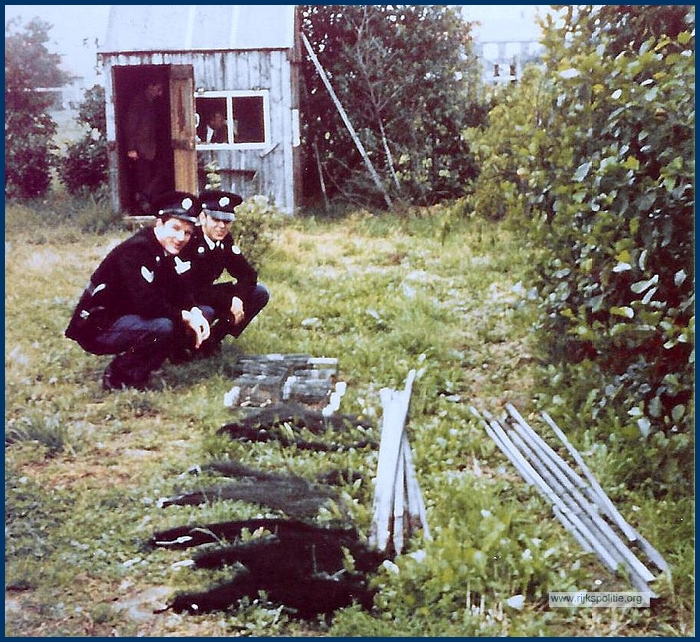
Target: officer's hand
{"type": "Point", "coordinates": [198, 323]}
{"type": "Point", "coordinates": [133, 154]}
{"type": "Point", "coordinates": [237, 310]}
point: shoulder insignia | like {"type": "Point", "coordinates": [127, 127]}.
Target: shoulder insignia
{"type": "Point", "coordinates": [147, 274]}
{"type": "Point", "coordinates": [235, 249]}
{"type": "Point", "coordinates": [182, 266]}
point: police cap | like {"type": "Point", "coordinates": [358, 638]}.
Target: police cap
{"type": "Point", "coordinates": [219, 204]}
{"type": "Point", "coordinates": [182, 205]}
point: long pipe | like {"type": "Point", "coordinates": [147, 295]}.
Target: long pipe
{"type": "Point", "coordinates": [604, 501]}
{"type": "Point", "coordinates": [585, 529]}
{"type": "Point", "coordinates": [609, 539]}
{"type": "Point", "coordinates": [510, 450]}
{"type": "Point", "coordinates": [559, 468]}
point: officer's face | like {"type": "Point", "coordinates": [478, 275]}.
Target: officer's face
{"type": "Point", "coordinates": [173, 234]}
{"type": "Point", "coordinates": [217, 121]}
{"type": "Point", "coordinates": [215, 229]}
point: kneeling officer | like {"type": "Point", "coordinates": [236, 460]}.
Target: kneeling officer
{"type": "Point", "coordinates": [230, 304]}
{"type": "Point", "coordinates": [135, 305]}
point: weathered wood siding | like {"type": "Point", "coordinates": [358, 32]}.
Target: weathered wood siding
{"type": "Point", "coordinates": [272, 70]}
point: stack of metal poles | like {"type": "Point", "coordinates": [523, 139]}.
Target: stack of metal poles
{"type": "Point", "coordinates": [581, 505]}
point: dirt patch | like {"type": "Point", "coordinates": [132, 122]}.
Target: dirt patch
{"type": "Point", "coordinates": [142, 607]}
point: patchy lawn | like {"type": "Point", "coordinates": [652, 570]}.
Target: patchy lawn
{"type": "Point", "coordinates": [85, 468]}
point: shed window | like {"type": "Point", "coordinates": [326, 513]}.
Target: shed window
{"type": "Point", "coordinates": [232, 119]}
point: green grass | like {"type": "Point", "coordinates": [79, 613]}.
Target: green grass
{"type": "Point", "coordinates": [85, 468]}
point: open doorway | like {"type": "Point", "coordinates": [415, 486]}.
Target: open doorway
{"type": "Point", "coordinates": [155, 133]}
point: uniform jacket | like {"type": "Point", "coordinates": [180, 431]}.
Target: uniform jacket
{"type": "Point", "coordinates": [209, 264]}
{"type": "Point", "coordinates": [136, 277]}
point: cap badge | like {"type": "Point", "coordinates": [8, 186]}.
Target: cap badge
{"type": "Point", "coordinates": [224, 201]}
{"type": "Point", "coordinates": [186, 203]}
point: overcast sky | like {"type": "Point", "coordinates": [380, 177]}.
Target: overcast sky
{"type": "Point", "coordinates": [77, 27]}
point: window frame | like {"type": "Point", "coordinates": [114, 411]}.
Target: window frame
{"type": "Point", "coordinates": [230, 95]}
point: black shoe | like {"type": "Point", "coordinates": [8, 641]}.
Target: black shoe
{"type": "Point", "coordinates": [181, 356]}
{"type": "Point", "coordinates": [208, 349]}
{"type": "Point", "coordinates": [110, 381]}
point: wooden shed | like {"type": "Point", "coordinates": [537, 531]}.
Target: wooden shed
{"type": "Point", "coordinates": [240, 60]}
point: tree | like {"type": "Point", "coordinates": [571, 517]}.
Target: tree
{"type": "Point", "coordinates": [409, 82]}
{"type": "Point", "coordinates": [29, 66]}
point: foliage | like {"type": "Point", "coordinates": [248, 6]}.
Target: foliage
{"type": "Point", "coordinates": [603, 161]}
{"type": "Point", "coordinates": [29, 67]}
{"type": "Point", "coordinates": [509, 144]}
{"type": "Point", "coordinates": [85, 166]}
{"type": "Point", "coordinates": [256, 218]}
{"type": "Point", "coordinates": [407, 78]}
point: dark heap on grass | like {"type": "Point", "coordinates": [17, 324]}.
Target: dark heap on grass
{"type": "Point", "coordinates": [267, 425]}
{"type": "Point", "coordinates": [309, 569]}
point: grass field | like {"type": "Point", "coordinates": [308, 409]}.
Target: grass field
{"type": "Point", "coordinates": [84, 468]}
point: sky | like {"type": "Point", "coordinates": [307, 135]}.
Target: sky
{"type": "Point", "coordinates": [77, 27]}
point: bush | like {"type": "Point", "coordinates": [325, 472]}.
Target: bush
{"type": "Point", "coordinates": [85, 167]}
{"type": "Point", "coordinates": [28, 154]}
{"type": "Point", "coordinates": [616, 278]}
{"type": "Point", "coordinates": [597, 150]}
{"type": "Point", "coordinates": [252, 229]}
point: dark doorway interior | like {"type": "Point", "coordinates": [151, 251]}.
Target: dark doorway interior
{"type": "Point", "coordinates": [129, 82]}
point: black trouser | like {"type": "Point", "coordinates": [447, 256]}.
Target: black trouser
{"type": "Point", "coordinates": [219, 298]}
{"type": "Point", "coordinates": [141, 346]}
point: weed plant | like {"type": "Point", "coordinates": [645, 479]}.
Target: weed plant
{"type": "Point", "coordinates": [384, 294]}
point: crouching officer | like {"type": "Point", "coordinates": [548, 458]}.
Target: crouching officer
{"type": "Point", "coordinates": [212, 251]}
{"type": "Point", "coordinates": [135, 305]}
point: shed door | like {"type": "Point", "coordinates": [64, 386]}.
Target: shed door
{"type": "Point", "coordinates": [182, 127]}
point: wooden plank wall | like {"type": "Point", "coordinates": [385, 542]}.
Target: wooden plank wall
{"type": "Point", "coordinates": [243, 70]}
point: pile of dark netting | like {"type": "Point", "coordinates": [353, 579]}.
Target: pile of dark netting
{"type": "Point", "coordinates": [291, 494]}
{"type": "Point", "coordinates": [293, 424]}
{"type": "Point", "coordinates": [309, 569]}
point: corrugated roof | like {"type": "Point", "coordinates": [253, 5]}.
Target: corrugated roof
{"type": "Point", "coordinates": [197, 27]}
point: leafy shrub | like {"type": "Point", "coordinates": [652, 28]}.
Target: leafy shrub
{"type": "Point", "coordinates": [252, 229]}
{"type": "Point", "coordinates": [598, 149]}
{"type": "Point", "coordinates": [409, 117]}
{"type": "Point", "coordinates": [28, 154]}
{"type": "Point", "coordinates": [617, 277]}
{"type": "Point", "coordinates": [85, 166]}
{"type": "Point", "coordinates": [509, 145]}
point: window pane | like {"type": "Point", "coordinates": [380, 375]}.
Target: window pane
{"type": "Point", "coordinates": [249, 119]}
{"type": "Point", "coordinates": [211, 120]}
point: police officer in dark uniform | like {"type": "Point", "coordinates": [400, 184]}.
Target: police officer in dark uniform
{"type": "Point", "coordinates": [211, 252]}
{"type": "Point", "coordinates": [137, 304]}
